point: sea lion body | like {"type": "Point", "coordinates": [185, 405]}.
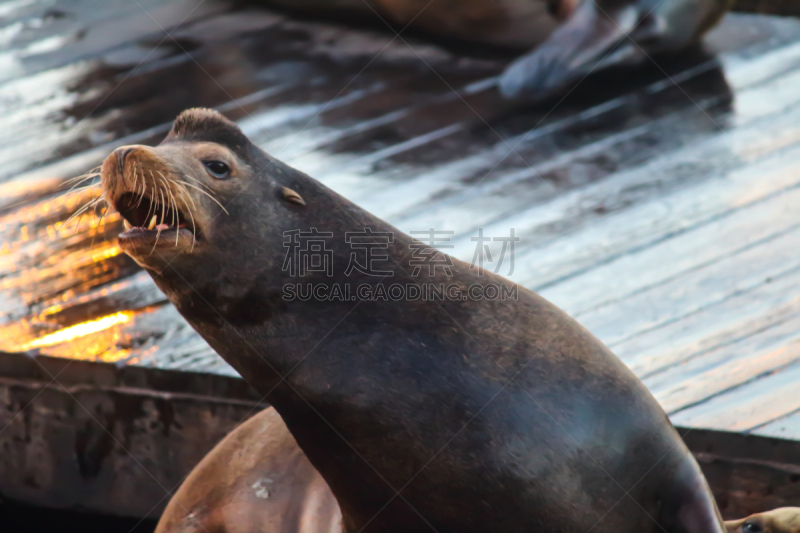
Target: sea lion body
{"type": "Point", "coordinates": [458, 415]}
{"type": "Point", "coordinates": [565, 40]}
{"type": "Point", "coordinates": [256, 480]}
{"type": "Point", "coordinates": [782, 520]}
{"type": "Point", "coordinates": [520, 24]}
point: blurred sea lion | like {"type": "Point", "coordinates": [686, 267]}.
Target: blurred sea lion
{"type": "Point", "coordinates": [782, 520]}
{"type": "Point", "coordinates": [256, 480]}
{"type": "Point", "coordinates": [567, 39]}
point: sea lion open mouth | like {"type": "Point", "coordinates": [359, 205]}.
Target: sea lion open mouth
{"type": "Point", "coordinates": [155, 199]}
{"type": "Point", "coordinates": [147, 218]}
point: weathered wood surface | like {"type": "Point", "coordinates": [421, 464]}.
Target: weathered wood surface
{"type": "Point", "coordinates": [114, 441]}
{"type": "Point", "coordinates": [660, 211]}
{"type": "Point", "coordinates": [747, 472]}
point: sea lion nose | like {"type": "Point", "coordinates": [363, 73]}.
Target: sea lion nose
{"type": "Point", "coordinates": [121, 154]}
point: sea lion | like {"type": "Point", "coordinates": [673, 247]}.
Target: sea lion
{"type": "Point", "coordinates": [225, 492]}
{"type": "Point", "coordinates": [453, 414]}
{"type": "Point", "coordinates": [604, 33]}
{"type": "Point", "coordinates": [782, 520]}
{"type": "Point", "coordinates": [514, 24]}
{"type": "Point", "coordinates": [256, 480]}
{"type": "Point", "coordinates": [566, 39]}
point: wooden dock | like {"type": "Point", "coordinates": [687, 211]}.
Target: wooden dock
{"type": "Point", "coordinates": [660, 207]}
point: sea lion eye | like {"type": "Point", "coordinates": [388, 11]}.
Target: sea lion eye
{"type": "Point", "coordinates": [217, 169]}
{"type": "Point", "coordinates": [751, 527]}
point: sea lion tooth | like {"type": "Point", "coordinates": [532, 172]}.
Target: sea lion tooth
{"type": "Point", "coordinates": [127, 225]}
{"type": "Point", "coordinates": [153, 222]}
{"type": "Point", "coordinates": [293, 196]}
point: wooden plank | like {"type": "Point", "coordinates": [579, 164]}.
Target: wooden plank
{"type": "Point", "coordinates": [720, 326]}
{"type": "Point", "coordinates": [747, 473]}
{"type": "Point", "coordinates": [633, 223]}
{"type": "Point", "coordinates": [131, 434]}
{"type": "Point", "coordinates": [725, 369]}
{"type": "Point", "coordinates": [749, 406]}
{"type": "Point", "coordinates": [699, 247]}
{"type": "Point", "coordinates": [787, 427]}
{"type": "Point", "coordinates": [641, 178]}
{"type": "Point", "coordinates": [694, 290]}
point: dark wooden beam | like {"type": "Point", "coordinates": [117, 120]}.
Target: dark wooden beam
{"type": "Point", "coordinates": [108, 440]}
{"type": "Point", "coordinates": [768, 7]}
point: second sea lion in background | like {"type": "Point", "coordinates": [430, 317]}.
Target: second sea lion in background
{"type": "Point", "coordinates": [256, 480]}
{"type": "Point", "coordinates": [567, 39]}
{"type": "Point", "coordinates": [605, 33]}
{"type": "Point", "coordinates": [516, 24]}
{"type": "Point", "coordinates": [783, 520]}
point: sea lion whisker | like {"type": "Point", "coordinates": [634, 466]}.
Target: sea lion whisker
{"type": "Point", "coordinates": [79, 215]}
{"type": "Point", "coordinates": [76, 214]}
{"type": "Point", "coordinates": [79, 188]}
{"type": "Point", "coordinates": [85, 175]}
{"type": "Point", "coordinates": [175, 218]}
{"type": "Point", "coordinates": [90, 174]}
{"type": "Point", "coordinates": [188, 195]}
{"type": "Point", "coordinates": [88, 205]}
{"type": "Point", "coordinates": [187, 176]}
{"type": "Point", "coordinates": [173, 205]}
{"type": "Point", "coordinates": [204, 192]}
{"type": "Point", "coordinates": [135, 179]}
{"type": "Point", "coordinates": [144, 188]}
{"type": "Point", "coordinates": [191, 214]}
{"type": "Point", "coordinates": [163, 177]}
{"type": "Point", "coordinates": [163, 214]}
{"type": "Point", "coordinates": [77, 182]}
{"type": "Point", "coordinates": [163, 205]}
{"type": "Point", "coordinates": [100, 223]}
{"type": "Point", "coordinates": [152, 205]}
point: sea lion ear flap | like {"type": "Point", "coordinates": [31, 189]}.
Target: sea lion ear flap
{"type": "Point", "coordinates": [292, 196]}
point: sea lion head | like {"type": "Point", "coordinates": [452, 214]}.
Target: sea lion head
{"type": "Point", "coordinates": [783, 520]}
{"type": "Point", "coordinates": [604, 33]}
{"type": "Point", "coordinates": [204, 203]}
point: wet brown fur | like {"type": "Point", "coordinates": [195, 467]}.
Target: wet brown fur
{"type": "Point", "coordinates": [501, 415]}
{"type": "Point", "coordinates": [256, 480]}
